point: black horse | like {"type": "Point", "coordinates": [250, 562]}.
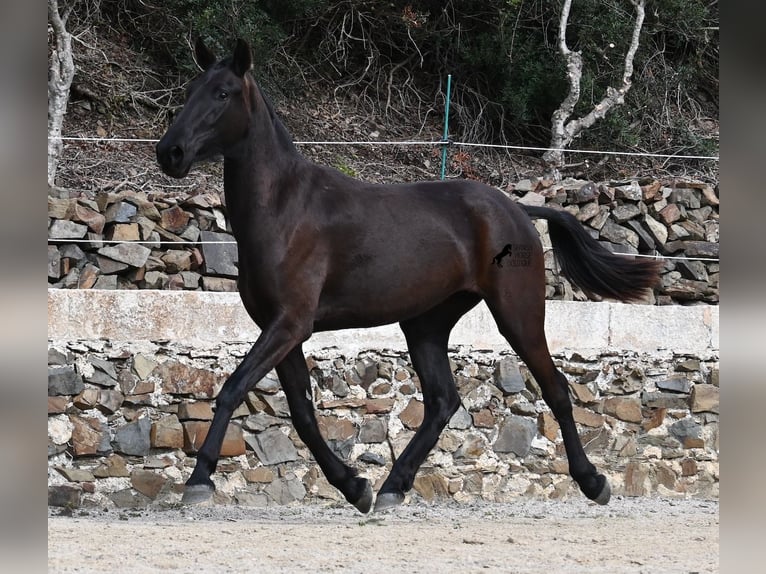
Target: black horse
{"type": "Point", "coordinates": [312, 259]}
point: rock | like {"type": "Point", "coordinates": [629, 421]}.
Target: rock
{"type": "Point", "coordinates": [688, 432]}
{"type": "Point", "coordinates": [548, 425]}
{"type": "Point", "coordinates": [662, 400]}
{"type": "Point", "coordinates": [646, 241]}
{"type": "Point", "coordinates": [176, 260]}
{"type": "Point", "coordinates": [130, 384]}
{"type": "Point", "coordinates": [636, 475]}
{"type": "Point", "coordinates": [123, 232]}
{"type": "Point", "coordinates": [57, 405]}
{"type": "Point", "coordinates": [615, 233]}
{"type": "Point", "coordinates": [120, 212]}
{"type": "Point", "coordinates": [532, 198]}
{"type": "Point", "coordinates": [174, 219]}
{"type": "Point", "coordinates": [94, 220]}
{"type": "Point", "coordinates": [582, 393]}
{"type": "Point", "coordinates": [54, 263]}
{"type": "Point", "coordinates": [195, 410]}
{"type": "Point", "coordinates": [508, 377]}
{"type": "Point", "coordinates": [132, 254]}
{"type": "Point", "coordinates": [220, 284]}
{"type": "Point", "coordinates": [461, 420]}
{"type": "Point", "coordinates": [286, 490]}
{"type": "Point", "coordinates": [515, 435]}
{"type": "Point", "coordinates": [676, 384]}
{"type": "Point", "coordinates": [60, 428]}
{"type": "Point", "coordinates": [181, 379]}
{"type": "Point", "coordinates": [631, 192]}
{"type": "Point", "coordinates": [133, 438]}
{"type": "Point", "coordinates": [624, 408]}
{"type": "Point", "coordinates": [89, 436]}
{"type": "Point", "coordinates": [705, 398]}
{"type": "Point", "coordinates": [167, 432]}
{"type": "Point", "coordinates": [378, 406]}
{"type": "Point", "coordinates": [588, 211]}
{"type": "Point", "coordinates": [128, 498]}
{"type": "Point", "coordinates": [372, 458]}
{"type": "Point", "coordinates": [87, 399]}
{"type": "Point", "coordinates": [65, 496]}
{"type": "Point", "coordinates": [65, 229]}
{"type": "Point", "coordinates": [147, 482]}
{"type": "Point", "coordinates": [484, 419]}
{"type": "Point", "coordinates": [260, 475]}
{"type": "Point", "coordinates": [412, 415]}
{"type": "Point", "coordinates": [670, 214]}
{"type": "Point", "coordinates": [689, 198]}
{"type": "Point", "coordinates": [276, 405]}
{"type": "Point", "coordinates": [335, 428]}
{"type": "Point", "coordinates": [366, 371]}
{"type": "Point", "coordinates": [113, 466]}
{"type": "Point", "coordinates": [60, 208]}
{"type": "Point", "coordinates": [272, 446]}
{"type": "Point", "coordinates": [431, 486]}
{"type": "Point", "coordinates": [701, 249]}
{"type": "Point", "coordinates": [260, 422]}
{"type": "Point", "coordinates": [220, 254]}
{"type": "Point", "coordinates": [587, 417]}
{"type": "Point", "coordinates": [63, 380]}
{"type": "Point", "coordinates": [472, 447]}
{"type": "Point", "coordinates": [623, 213]}
{"type": "Point", "coordinates": [373, 430]}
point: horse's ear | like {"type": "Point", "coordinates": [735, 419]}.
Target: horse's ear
{"type": "Point", "coordinates": [243, 59]}
{"type": "Point", "coordinates": [202, 54]}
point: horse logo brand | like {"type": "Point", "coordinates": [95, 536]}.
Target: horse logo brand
{"type": "Point", "coordinates": [518, 255]}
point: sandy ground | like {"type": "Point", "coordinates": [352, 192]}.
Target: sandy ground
{"type": "Point", "coordinates": [629, 535]}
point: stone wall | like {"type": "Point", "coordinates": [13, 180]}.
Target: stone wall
{"type": "Point", "coordinates": [126, 415]}
{"type": "Point", "coordinates": [134, 240]}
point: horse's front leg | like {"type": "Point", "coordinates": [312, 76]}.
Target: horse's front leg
{"type": "Point", "coordinates": [272, 346]}
{"type": "Point", "coordinates": [295, 381]}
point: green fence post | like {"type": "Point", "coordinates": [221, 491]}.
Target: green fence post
{"type": "Point", "coordinates": [445, 139]}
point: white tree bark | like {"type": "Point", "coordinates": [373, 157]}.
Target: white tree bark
{"type": "Point", "coordinates": [565, 130]}
{"type": "Point", "coordinates": [60, 73]}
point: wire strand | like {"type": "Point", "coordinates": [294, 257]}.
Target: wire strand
{"type": "Point", "coordinates": [229, 242]}
{"type": "Point", "coordinates": [431, 143]}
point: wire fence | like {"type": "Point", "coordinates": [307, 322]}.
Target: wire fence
{"type": "Point", "coordinates": [433, 143]}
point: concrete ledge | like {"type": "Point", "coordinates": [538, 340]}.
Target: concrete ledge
{"type": "Point", "coordinates": [203, 318]}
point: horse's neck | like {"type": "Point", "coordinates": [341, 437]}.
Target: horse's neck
{"type": "Point", "coordinates": [254, 176]}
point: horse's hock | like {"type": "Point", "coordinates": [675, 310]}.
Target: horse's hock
{"type": "Point", "coordinates": [131, 395]}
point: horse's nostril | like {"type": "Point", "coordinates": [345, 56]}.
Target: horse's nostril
{"type": "Point", "coordinates": [176, 154]}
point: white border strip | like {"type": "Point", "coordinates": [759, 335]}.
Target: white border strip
{"type": "Point", "coordinates": [205, 319]}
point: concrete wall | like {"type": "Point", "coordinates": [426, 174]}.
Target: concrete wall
{"type": "Point", "coordinates": [133, 376]}
{"type": "Point", "coordinates": [204, 318]}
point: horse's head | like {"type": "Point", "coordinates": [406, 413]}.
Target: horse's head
{"type": "Point", "coordinates": [216, 114]}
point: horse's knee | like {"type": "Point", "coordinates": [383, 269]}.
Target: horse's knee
{"type": "Point", "coordinates": [229, 399]}
{"type": "Point", "coordinates": [442, 408]}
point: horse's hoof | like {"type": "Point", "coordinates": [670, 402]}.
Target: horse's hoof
{"type": "Point", "coordinates": [197, 493]}
{"type": "Point", "coordinates": [386, 500]}
{"type": "Point", "coordinates": [365, 501]}
{"type": "Point", "coordinates": [605, 494]}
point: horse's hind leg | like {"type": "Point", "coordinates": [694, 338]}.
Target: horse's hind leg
{"type": "Point", "coordinates": [522, 324]}
{"type": "Point", "coordinates": [294, 378]}
{"type": "Point", "coordinates": [427, 338]}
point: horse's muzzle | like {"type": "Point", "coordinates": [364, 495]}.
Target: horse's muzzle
{"type": "Point", "coordinates": [172, 159]}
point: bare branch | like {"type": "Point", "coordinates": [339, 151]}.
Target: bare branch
{"type": "Point", "coordinates": [60, 73]}
{"type": "Point", "coordinates": [563, 130]}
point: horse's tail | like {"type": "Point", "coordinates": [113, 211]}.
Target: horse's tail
{"type": "Point", "coordinates": [591, 266]}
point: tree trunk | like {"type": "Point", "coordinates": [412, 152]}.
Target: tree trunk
{"type": "Point", "coordinates": [564, 130]}
{"type": "Point", "coordinates": [60, 73]}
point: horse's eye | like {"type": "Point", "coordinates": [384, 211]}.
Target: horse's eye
{"type": "Point", "coordinates": [223, 95]}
